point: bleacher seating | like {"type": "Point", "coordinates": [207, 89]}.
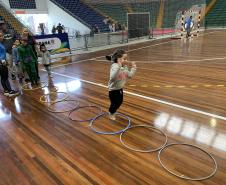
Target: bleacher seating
{"type": "Point", "coordinates": [22, 4]}
{"type": "Point", "coordinates": [217, 15]}
{"type": "Point", "coordinates": [83, 12]}
{"type": "Point", "coordinates": [117, 12]}
{"type": "Point", "coordinates": [11, 21]}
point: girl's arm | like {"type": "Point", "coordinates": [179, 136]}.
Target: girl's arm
{"type": "Point", "coordinates": [39, 53]}
{"type": "Point", "coordinates": [20, 54]}
{"type": "Point", "coordinates": [49, 56]}
{"type": "Point", "coordinates": [115, 68]}
{"type": "Point", "coordinates": [132, 70]}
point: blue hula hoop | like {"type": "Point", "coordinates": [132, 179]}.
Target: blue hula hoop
{"type": "Point", "coordinates": [82, 107]}
{"type": "Point", "coordinates": [109, 133]}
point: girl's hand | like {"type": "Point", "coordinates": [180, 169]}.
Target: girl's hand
{"type": "Point", "coordinates": [119, 63]}
{"type": "Point", "coordinates": [133, 64]}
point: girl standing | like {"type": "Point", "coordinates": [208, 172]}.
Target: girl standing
{"type": "Point", "coordinates": [119, 74]}
{"type": "Point", "coordinates": [45, 55]}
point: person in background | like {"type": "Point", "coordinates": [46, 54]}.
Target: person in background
{"type": "Point", "coordinates": [106, 20]}
{"type": "Point", "coordinates": [188, 26]}
{"type": "Point", "coordinates": [54, 29]}
{"type": "Point", "coordinates": [59, 28]}
{"type": "Point", "coordinates": [4, 74]}
{"type": "Point", "coordinates": [19, 69]}
{"type": "Point", "coordinates": [9, 38]}
{"type": "Point", "coordinates": [96, 29]}
{"type": "Point", "coordinates": [45, 57]}
{"type": "Point", "coordinates": [28, 60]}
{"type": "Point", "coordinates": [31, 41]}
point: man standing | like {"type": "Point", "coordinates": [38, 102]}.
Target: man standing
{"type": "Point", "coordinates": [188, 26]}
{"type": "Point", "coordinates": [59, 28]}
{"type": "Point", "coordinates": [9, 38]}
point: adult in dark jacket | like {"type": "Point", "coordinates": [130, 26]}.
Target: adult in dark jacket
{"type": "Point", "coordinates": [9, 38]}
{"type": "Point", "coordinates": [4, 74]}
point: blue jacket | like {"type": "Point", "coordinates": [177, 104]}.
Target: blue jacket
{"type": "Point", "coordinates": [2, 52]}
{"type": "Point", "coordinates": [188, 21]}
{"type": "Point", "coordinates": [15, 55]}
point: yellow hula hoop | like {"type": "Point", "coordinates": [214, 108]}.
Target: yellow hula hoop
{"type": "Point", "coordinates": [52, 87]}
{"type": "Point", "coordinates": [51, 93]}
{"type": "Point", "coordinates": [42, 85]}
{"type": "Point", "coordinates": [63, 111]}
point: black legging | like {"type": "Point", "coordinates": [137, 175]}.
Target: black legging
{"type": "Point", "coordinates": [36, 68]}
{"type": "Point", "coordinates": [4, 74]}
{"type": "Point", "coordinates": [116, 98]}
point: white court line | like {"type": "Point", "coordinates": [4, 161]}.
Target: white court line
{"type": "Point", "coordinates": [104, 55]}
{"type": "Point", "coordinates": [127, 51]}
{"type": "Point", "coordinates": [150, 98]}
{"type": "Point", "coordinates": [85, 60]}
{"type": "Point", "coordinates": [172, 61]}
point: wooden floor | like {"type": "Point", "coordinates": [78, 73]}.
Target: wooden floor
{"type": "Point", "coordinates": [179, 88]}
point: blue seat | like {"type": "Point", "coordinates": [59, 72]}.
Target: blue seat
{"type": "Point", "coordinates": [84, 12]}
{"type": "Point", "coordinates": [22, 4]}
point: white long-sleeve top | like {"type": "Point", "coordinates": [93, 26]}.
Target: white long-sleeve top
{"type": "Point", "coordinates": [119, 75]}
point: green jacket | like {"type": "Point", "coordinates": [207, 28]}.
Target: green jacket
{"type": "Point", "coordinates": [26, 54]}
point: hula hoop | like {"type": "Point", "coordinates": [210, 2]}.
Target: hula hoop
{"type": "Point", "coordinates": [56, 88]}
{"type": "Point", "coordinates": [144, 151]}
{"type": "Point", "coordinates": [55, 111]}
{"type": "Point", "coordinates": [39, 87]}
{"type": "Point", "coordinates": [182, 176]}
{"type": "Point", "coordinates": [83, 107]}
{"type": "Point", "coordinates": [109, 133]}
{"type": "Point", "coordinates": [62, 99]}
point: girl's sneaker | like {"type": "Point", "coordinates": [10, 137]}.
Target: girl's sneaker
{"type": "Point", "coordinates": [13, 93]}
{"type": "Point", "coordinates": [6, 93]}
{"type": "Point", "coordinates": [112, 117]}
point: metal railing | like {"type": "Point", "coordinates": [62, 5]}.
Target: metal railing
{"type": "Point", "coordinates": [103, 39]}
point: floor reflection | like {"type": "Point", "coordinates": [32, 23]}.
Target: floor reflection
{"type": "Point", "coordinates": [17, 105]}
{"type": "Point", "coordinates": [5, 114]}
{"type": "Point", "coordinates": [69, 86]}
{"type": "Point", "coordinates": [205, 134]}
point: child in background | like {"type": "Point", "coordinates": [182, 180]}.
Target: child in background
{"type": "Point", "coordinates": [16, 61]}
{"type": "Point", "coordinates": [28, 60]}
{"type": "Point", "coordinates": [119, 74]}
{"type": "Point", "coordinates": [45, 55]}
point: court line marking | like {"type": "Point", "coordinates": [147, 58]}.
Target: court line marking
{"type": "Point", "coordinates": [177, 86]}
{"type": "Point", "coordinates": [85, 60]}
{"type": "Point", "coordinates": [80, 61]}
{"type": "Point", "coordinates": [172, 61]}
{"type": "Point", "coordinates": [150, 98]}
{"type": "Point", "coordinates": [104, 55]}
